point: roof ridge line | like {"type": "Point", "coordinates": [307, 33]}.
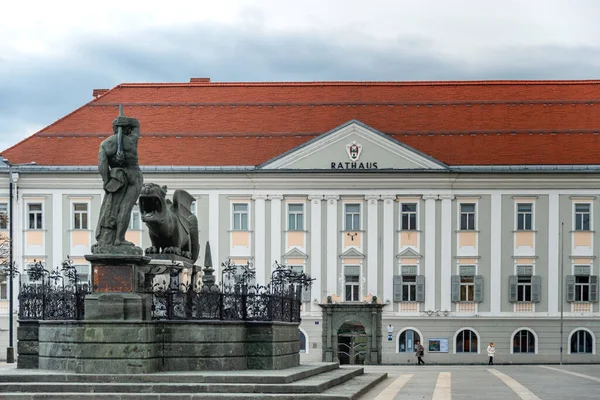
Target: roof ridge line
{"type": "Point", "coordinates": [364, 83]}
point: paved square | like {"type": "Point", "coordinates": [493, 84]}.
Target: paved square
{"type": "Point", "coordinates": [527, 382]}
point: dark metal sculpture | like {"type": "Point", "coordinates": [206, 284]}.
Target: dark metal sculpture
{"type": "Point", "coordinates": [122, 178]}
{"type": "Point", "coordinates": [172, 226]}
{"type": "Point", "coordinates": [52, 295]}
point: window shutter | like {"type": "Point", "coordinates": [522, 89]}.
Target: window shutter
{"type": "Point", "coordinates": [306, 294]}
{"type": "Point", "coordinates": [455, 288]}
{"type": "Point", "coordinates": [512, 288]}
{"type": "Point", "coordinates": [536, 288]}
{"type": "Point", "coordinates": [478, 295]}
{"type": "Point", "coordinates": [398, 288]}
{"type": "Point", "coordinates": [421, 288]}
{"type": "Point", "coordinates": [570, 288]}
{"type": "Point", "coordinates": [593, 288]}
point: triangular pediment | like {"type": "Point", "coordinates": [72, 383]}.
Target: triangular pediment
{"type": "Point", "coordinates": [352, 253]}
{"type": "Point", "coordinates": [354, 146]}
{"type": "Point", "coordinates": [408, 253]}
{"type": "Point", "coordinates": [295, 253]}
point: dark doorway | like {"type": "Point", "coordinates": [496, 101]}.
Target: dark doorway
{"type": "Point", "coordinates": [352, 343]}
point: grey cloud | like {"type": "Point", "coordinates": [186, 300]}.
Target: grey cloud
{"type": "Point", "coordinates": [39, 91]}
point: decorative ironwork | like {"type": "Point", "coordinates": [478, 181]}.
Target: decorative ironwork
{"type": "Point", "coordinates": [55, 295]}
{"type": "Point", "coordinates": [238, 298]}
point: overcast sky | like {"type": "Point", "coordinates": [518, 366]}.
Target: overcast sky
{"type": "Point", "coordinates": [54, 53]}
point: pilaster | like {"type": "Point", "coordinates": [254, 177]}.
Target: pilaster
{"type": "Point", "coordinates": [430, 251]}
{"type": "Point", "coordinates": [276, 231]}
{"type": "Point", "coordinates": [388, 236]}
{"type": "Point", "coordinates": [446, 253]}
{"type": "Point", "coordinates": [332, 244]}
{"type": "Point", "coordinates": [315, 247]}
{"type": "Point", "coordinates": [260, 232]}
{"type": "Point", "coordinates": [372, 238]}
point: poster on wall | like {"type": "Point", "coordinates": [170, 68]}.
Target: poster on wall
{"type": "Point", "coordinates": [438, 345]}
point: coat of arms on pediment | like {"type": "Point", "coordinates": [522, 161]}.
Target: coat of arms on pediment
{"type": "Point", "coordinates": [354, 149]}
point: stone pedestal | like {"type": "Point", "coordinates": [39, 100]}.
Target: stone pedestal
{"type": "Point", "coordinates": [118, 288]}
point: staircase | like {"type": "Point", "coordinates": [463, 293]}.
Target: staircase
{"type": "Point", "coordinates": [313, 381]}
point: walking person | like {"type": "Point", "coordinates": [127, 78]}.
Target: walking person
{"type": "Point", "coordinates": [420, 352]}
{"type": "Point", "coordinates": [491, 352]}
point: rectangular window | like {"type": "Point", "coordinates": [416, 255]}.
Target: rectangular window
{"type": "Point", "coordinates": [240, 216]}
{"type": "Point", "coordinates": [135, 222]}
{"type": "Point", "coordinates": [3, 215]}
{"type": "Point", "coordinates": [4, 291]}
{"type": "Point", "coordinates": [352, 283]}
{"type": "Point", "coordinates": [467, 287]}
{"type": "Point", "coordinates": [524, 288]}
{"type": "Point", "coordinates": [35, 215]}
{"type": "Point", "coordinates": [80, 216]}
{"type": "Point", "coordinates": [582, 217]}
{"type": "Point", "coordinates": [467, 217]}
{"type": "Point", "coordinates": [409, 288]}
{"type": "Point", "coordinates": [524, 217]}
{"type": "Point", "coordinates": [352, 213]}
{"type": "Point", "coordinates": [296, 217]}
{"type": "Point", "coordinates": [409, 216]}
{"type": "Point", "coordinates": [582, 288]}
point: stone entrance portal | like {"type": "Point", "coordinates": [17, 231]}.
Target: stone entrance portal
{"type": "Point", "coordinates": [352, 333]}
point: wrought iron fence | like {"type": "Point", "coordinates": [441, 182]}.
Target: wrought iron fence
{"type": "Point", "coordinates": [238, 298]}
{"type": "Point", "coordinates": [52, 295]}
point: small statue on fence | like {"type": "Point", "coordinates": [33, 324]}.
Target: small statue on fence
{"type": "Point", "coordinates": [172, 226]}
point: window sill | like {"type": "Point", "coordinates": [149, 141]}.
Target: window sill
{"type": "Point", "coordinates": [80, 230]}
{"type": "Point", "coordinates": [34, 230]}
{"type": "Point", "coordinates": [524, 230]}
{"type": "Point", "coordinates": [240, 230]}
{"type": "Point", "coordinates": [352, 231]}
{"type": "Point", "coordinates": [583, 230]}
{"type": "Point", "coordinates": [467, 230]}
{"type": "Point", "coordinates": [295, 230]}
{"type": "Point", "coordinates": [409, 230]}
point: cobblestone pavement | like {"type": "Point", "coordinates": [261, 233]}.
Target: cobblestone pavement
{"type": "Point", "coordinates": [502, 382]}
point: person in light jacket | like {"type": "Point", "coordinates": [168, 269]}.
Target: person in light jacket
{"type": "Point", "coordinates": [420, 352]}
{"type": "Point", "coordinates": [491, 352]}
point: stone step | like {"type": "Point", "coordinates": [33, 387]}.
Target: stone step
{"type": "Point", "coordinates": [249, 376]}
{"type": "Point", "coordinates": [312, 384]}
{"type": "Point", "coordinates": [350, 390]}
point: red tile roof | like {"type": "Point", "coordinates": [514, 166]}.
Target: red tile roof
{"type": "Point", "coordinates": [212, 123]}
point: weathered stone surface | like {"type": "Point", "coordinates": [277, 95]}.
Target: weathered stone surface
{"type": "Point", "coordinates": [27, 347]}
{"type": "Point", "coordinates": [118, 307]}
{"type": "Point", "coordinates": [205, 349]}
{"type": "Point", "coordinates": [28, 330]}
{"type": "Point", "coordinates": [26, 361]}
{"type": "Point", "coordinates": [100, 350]}
{"type": "Point", "coordinates": [213, 331]}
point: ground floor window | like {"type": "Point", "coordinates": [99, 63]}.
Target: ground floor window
{"type": "Point", "coordinates": [302, 342]}
{"type": "Point", "coordinates": [581, 342]}
{"type": "Point", "coordinates": [466, 341]}
{"type": "Point", "coordinates": [524, 342]}
{"type": "Point", "coordinates": [406, 341]}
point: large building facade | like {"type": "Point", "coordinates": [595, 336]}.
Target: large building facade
{"type": "Point", "coordinates": [466, 210]}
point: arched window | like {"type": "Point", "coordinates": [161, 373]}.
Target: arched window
{"type": "Point", "coordinates": [524, 342]}
{"type": "Point", "coordinates": [466, 341]}
{"type": "Point", "coordinates": [406, 341]}
{"type": "Point", "coordinates": [302, 342]}
{"type": "Point", "coordinates": [582, 342]}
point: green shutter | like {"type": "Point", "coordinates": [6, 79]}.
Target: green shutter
{"type": "Point", "coordinates": [570, 288]}
{"type": "Point", "coordinates": [306, 294]}
{"type": "Point", "coordinates": [421, 288]}
{"type": "Point", "coordinates": [536, 288]}
{"type": "Point", "coordinates": [455, 280]}
{"type": "Point", "coordinates": [478, 296]}
{"type": "Point", "coordinates": [512, 289]}
{"type": "Point", "coordinates": [397, 288]}
{"type": "Point", "coordinates": [593, 288]}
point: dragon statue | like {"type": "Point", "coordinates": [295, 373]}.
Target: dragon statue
{"type": "Point", "coordinates": [173, 228]}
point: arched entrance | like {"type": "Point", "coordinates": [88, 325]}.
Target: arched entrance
{"type": "Point", "coordinates": [352, 343]}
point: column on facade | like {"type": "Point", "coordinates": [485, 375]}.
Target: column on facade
{"type": "Point", "coordinates": [554, 244]}
{"type": "Point", "coordinates": [388, 235]}
{"type": "Point", "coordinates": [57, 227]}
{"type": "Point", "coordinates": [276, 231]}
{"type": "Point", "coordinates": [372, 239]}
{"type": "Point", "coordinates": [496, 253]}
{"type": "Point", "coordinates": [315, 246]}
{"type": "Point", "coordinates": [446, 253]}
{"type": "Point", "coordinates": [332, 244]}
{"type": "Point", "coordinates": [260, 239]}
{"type": "Point", "coordinates": [214, 231]}
{"type": "Point", "coordinates": [430, 232]}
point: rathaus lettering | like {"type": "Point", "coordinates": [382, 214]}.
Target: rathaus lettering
{"type": "Point", "coordinates": [353, 165]}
